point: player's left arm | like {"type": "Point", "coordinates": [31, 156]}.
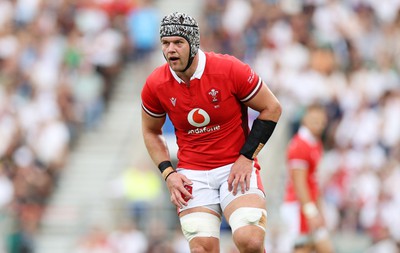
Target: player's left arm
{"type": "Point", "coordinates": [266, 103]}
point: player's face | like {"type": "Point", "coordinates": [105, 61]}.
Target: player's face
{"type": "Point", "coordinates": [176, 50]}
{"type": "Point", "coordinates": [315, 120]}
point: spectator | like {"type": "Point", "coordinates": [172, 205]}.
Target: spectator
{"type": "Point", "coordinates": [41, 57]}
{"type": "Point", "coordinates": [94, 241]}
{"type": "Point", "coordinates": [342, 54]}
{"type": "Point", "coordinates": [128, 239]}
{"type": "Point", "coordinates": [139, 187]}
{"type": "Point", "coordinates": [142, 25]}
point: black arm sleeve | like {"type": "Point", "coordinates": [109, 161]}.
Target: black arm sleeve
{"type": "Point", "coordinates": [260, 132]}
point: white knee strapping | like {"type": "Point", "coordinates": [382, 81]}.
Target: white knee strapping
{"type": "Point", "coordinates": [245, 216]}
{"type": "Point", "coordinates": [200, 224]}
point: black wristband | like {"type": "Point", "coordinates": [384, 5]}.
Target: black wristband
{"type": "Point", "coordinates": [164, 165]}
{"type": "Point", "coordinates": [260, 132]}
{"type": "Point", "coordinates": [174, 171]}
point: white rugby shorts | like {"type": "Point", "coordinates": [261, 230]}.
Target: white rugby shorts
{"type": "Point", "coordinates": [210, 187]}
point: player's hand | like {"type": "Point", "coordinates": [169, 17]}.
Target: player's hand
{"type": "Point", "coordinates": [315, 222]}
{"type": "Point", "coordinates": [179, 186]}
{"type": "Point", "coordinates": [240, 175]}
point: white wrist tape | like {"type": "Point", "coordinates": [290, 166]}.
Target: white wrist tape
{"type": "Point", "coordinates": [310, 210]}
{"type": "Point", "coordinates": [320, 234]}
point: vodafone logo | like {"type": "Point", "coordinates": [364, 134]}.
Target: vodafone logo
{"type": "Point", "coordinates": [198, 117]}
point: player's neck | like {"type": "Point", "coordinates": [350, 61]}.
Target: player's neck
{"type": "Point", "coordinates": [185, 76]}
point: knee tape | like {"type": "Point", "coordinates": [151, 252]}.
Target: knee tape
{"type": "Point", "coordinates": [200, 224]}
{"type": "Point", "coordinates": [245, 216]}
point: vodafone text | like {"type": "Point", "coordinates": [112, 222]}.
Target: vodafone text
{"type": "Point", "coordinates": [204, 130]}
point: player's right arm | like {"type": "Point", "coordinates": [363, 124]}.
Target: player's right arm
{"type": "Point", "coordinates": [153, 139]}
{"type": "Point", "coordinates": [309, 207]}
{"type": "Point", "coordinates": [158, 151]}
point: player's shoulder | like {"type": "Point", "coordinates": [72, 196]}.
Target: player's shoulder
{"type": "Point", "coordinates": [297, 142]}
{"type": "Point", "coordinates": [221, 61]}
{"type": "Point", "coordinates": [224, 58]}
{"type": "Point", "coordinates": [159, 76]}
{"type": "Point", "coordinates": [297, 148]}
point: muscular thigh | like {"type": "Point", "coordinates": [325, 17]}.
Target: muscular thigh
{"type": "Point", "coordinates": [254, 197]}
{"type": "Point", "coordinates": [201, 227]}
{"type": "Point", "coordinates": [247, 200]}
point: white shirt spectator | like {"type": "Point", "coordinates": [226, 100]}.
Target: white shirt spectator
{"type": "Point", "coordinates": [6, 10]}
{"type": "Point", "coordinates": [294, 57]}
{"type": "Point", "coordinates": [91, 21]}
{"type": "Point", "coordinates": [386, 10]}
{"type": "Point", "coordinates": [105, 48]}
{"type": "Point", "coordinates": [264, 64]}
{"type": "Point", "coordinates": [236, 16]}
{"type": "Point", "coordinates": [332, 19]}
{"type": "Point", "coordinates": [129, 240]}
{"type": "Point", "coordinates": [366, 125]}
{"type": "Point", "coordinates": [281, 35]}
{"type": "Point", "coordinates": [26, 10]}
{"type": "Point", "coordinates": [45, 72]}
{"type": "Point", "coordinates": [52, 142]}
{"type": "Point", "coordinates": [359, 129]}
{"type": "Point", "coordinates": [390, 133]}
{"type": "Point", "coordinates": [309, 87]}
{"type": "Point", "coordinates": [370, 83]}
{"type": "Point", "coordinates": [8, 46]}
{"type": "Point", "coordinates": [366, 187]}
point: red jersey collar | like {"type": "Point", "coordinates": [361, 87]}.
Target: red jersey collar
{"type": "Point", "coordinates": [199, 70]}
{"type": "Point", "coordinates": [306, 134]}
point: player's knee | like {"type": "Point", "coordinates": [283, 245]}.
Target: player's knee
{"type": "Point", "coordinates": [248, 228]}
{"type": "Point", "coordinates": [200, 224]}
{"type": "Point", "coordinates": [247, 242]}
{"type": "Point", "coordinates": [245, 216]}
{"type": "Point", "coordinates": [197, 249]}
{"type": "Point", "coordinates": [200, 249]}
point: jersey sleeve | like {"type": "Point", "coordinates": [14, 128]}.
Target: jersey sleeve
{"type": "Point", "coordinates": [297, 156]}
{"type": "Point", "coordinates": [150, 102]}
{"type": "Point", "coordinates": [247, 82]}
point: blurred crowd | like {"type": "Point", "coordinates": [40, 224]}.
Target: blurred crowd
{"type": "Point", "coordinates": [59, 63]}
{"type": "Point", "coordinates": [128, 238]}
{"type": "Point", "coordinates": [345, 55]}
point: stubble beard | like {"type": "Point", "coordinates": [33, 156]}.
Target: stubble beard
{"type": "Point", "coordinates": [178, 67]}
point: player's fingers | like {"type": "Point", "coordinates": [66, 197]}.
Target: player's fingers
{"type": "Point", "coordinates": [174, 200]}
{"type": "Point", "coordinates": [230, 182]}
{"type": "Point", "coordinates": [178, 200]}
{"type": "Point", "coordinates": [243, 184]}
{"type": "Point", "coordinates": [248, 182]}
{"type": "Point", "coordinates": [235, 184]}
{"type": "Point", "coordinates": [186, 181]}
{"type": "Point", "coordinates": [176, 197]}
{"type": "Point", "coordinates": [183, 196]}
{"type": "Point", "coordinates": [186, 193]}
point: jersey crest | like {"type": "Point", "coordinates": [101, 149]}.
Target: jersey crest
{"type": "Point", "coordinates": [214, 95]}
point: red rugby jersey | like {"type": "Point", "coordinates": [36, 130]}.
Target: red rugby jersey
{"type": "Point", "coordinates": [210, 119]}
{"type": "Point", "coordinates": [304, 152]}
